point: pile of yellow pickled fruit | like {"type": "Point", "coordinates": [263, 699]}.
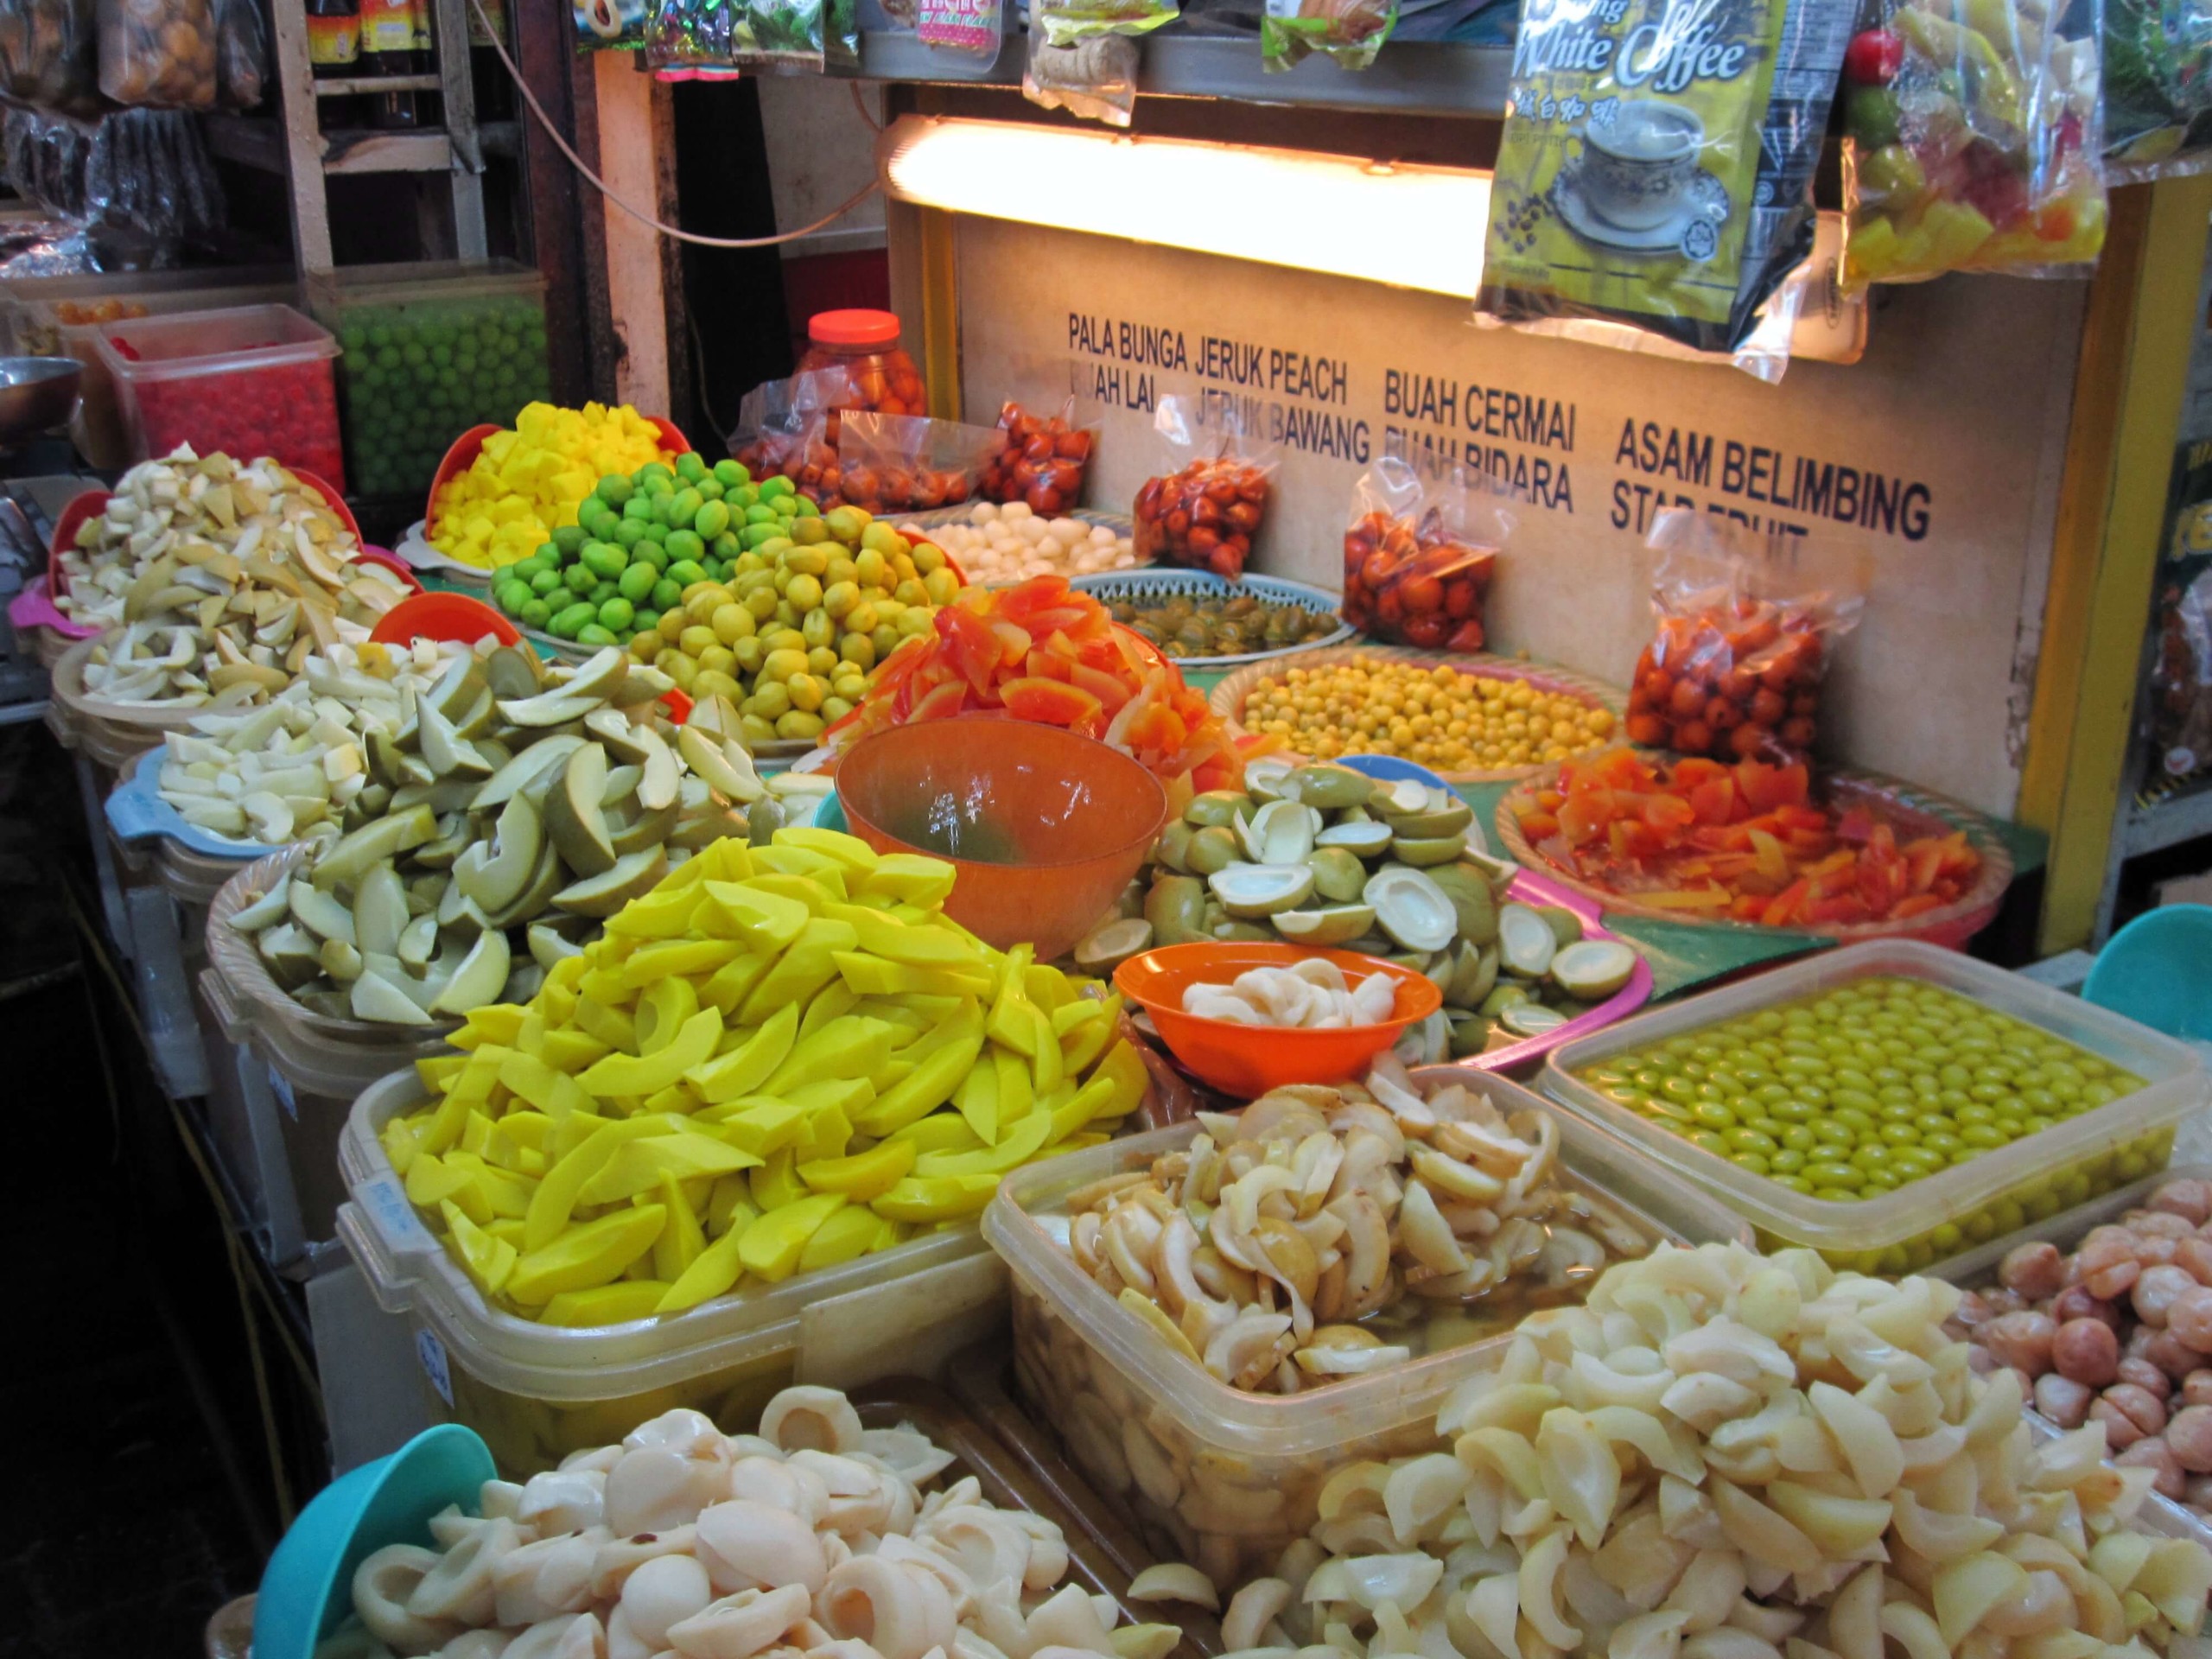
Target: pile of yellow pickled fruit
{"type": "Point", "coordinates": [1440, 716]}
{"type": "Point", "coordinates": [525, 484]}
{"type": "Point", "coordinates": [780, 1058]}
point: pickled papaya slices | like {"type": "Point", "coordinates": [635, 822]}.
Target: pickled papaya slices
{"type": "Point", "coordinates": [1045, 652]}
{"type": "Point", "coordinates": [1747, 843]}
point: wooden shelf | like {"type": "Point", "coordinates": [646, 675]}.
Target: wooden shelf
{"type": "Point", "coordinates": [347, 88]}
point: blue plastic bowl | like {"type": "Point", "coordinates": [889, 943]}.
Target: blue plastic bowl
{"type": "Point", "coordinates": [2158, 969]}
{"type": "Point", "coordinates": [1390, 769]}
{"type": "Point", "coordinates": [307, 1589]}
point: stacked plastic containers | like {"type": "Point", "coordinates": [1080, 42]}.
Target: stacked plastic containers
{"type": "Point", "coordinates": [1966, 1204]}
{"type": "Point", "coordinates": [251, 380]}
{"type": "Point", "coordinates": [1219, 1478]}
{"type": "Point", "coordinates": [537, 1392]}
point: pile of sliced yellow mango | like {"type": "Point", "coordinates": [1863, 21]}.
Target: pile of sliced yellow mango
{"type": "Point", "coordinates": [780, 1058]}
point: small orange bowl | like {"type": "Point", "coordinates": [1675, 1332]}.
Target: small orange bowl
{"type": "Point", "coordinates": [1249, 1060]}
{"type": "Point", "coordinates": [1063, 822]}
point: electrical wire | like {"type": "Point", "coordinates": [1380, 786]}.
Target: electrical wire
{"type": "Point", "coordinates": [643, 218]}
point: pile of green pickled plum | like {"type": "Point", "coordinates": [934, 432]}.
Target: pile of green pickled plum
{"type": "Point", "coordinates": [1861, 1089]}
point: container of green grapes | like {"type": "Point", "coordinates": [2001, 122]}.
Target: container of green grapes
{"type": "Point", "coordinates": [1889, 1105]}
{"type": "Point", "coordinates": [429, 350]}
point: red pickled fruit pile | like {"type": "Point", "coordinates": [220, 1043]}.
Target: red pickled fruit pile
{"type": "Point", "coordinates": [1203, 516]}
{"type": "Point", "coordinates": [1044, 652]}
{"type": "Point", "coordinates": [288, 413]}
{"type": "Point", "coordinates": [1424, 589]}
{"type": "Point", "coordinates": [1043, 463]}
{"type": "Point", "coordinates": [1737, 684]}
{"type": "Point", "coordinates": [1746, 842]}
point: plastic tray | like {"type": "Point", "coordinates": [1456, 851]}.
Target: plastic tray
{"type": "Point", "coordinates": [1975, 1269]}
{"type": "Point", "coordinates": [1911, 807]}
{"type": "Point", "coordinates": [1227, 698]}
{"type": "Point", "coordinates": [1893, 1233]}
{"type": "Point", "coordinates": [250, 380]}
{"type": "Point", "coordinates": [1156, 582]}
{"type": "Point", "coordinates": [537, 1392]}
{"type": "Point", "coordinates": [1108, 1384]}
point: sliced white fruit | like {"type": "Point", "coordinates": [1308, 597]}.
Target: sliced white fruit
{"type": "Point", "coordinates": [1526, 942]}
{"type": "Point", "coordinates": [1339, 924]}
{"type": "Point", "coordinates": [1263, 777]}
{"type": "Point", "coordinates": [1281, 832]}
{"type": "Point", "coordinates": [478, 981]}
{"type": "Point", "coordinates": [1111, 946]}
{"type": "Point", "coordinates": [540, 757]}
{"type": "Point", "coordinates": [1531, 1018]}
{"type": "Point", "coordinates": [1250, 890]}
{"type": "Point", "coordinates": [722, 762]}
{"type": "Point", "coordinates": [1401, 795]}
{"type": "Point", "coordinates": [1411, 908]}
{"type": "Point", "coordinates": [377, 998]}
{"type": "Point", "coordinates": [418, 944]}
{"type": "Point", "coordinates": [265, 912]}
{"type": "Point", "coordinates": [320, 913]}
{"type": "Point", "coordinates": [379, 911]}
{"type": "Point", "coordinates": [1364, 838]}
{"type": "Point", "coordinates": [1593, 969]}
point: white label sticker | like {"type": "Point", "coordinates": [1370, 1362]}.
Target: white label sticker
{"type": "Point", "coordinates": [385, 1200]}
{"type": "Point", "coordinates": [281, 1086]}
{"type": "Point", "coordinates": [432, 1353]}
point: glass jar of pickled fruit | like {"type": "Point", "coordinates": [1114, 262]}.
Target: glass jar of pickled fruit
{"type": "Point", "coordinates": [865, 343]}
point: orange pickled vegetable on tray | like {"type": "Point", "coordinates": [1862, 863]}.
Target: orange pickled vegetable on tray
{"type": "Point", "coordinates": [1047, 652]}
{"type": "Point", "coordinates": [1745, 842]}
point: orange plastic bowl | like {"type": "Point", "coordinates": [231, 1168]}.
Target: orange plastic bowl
{"type": "Point", "coordinates": [461, 456]}
{"type": "Point", "coordinates": [443, 616]}
{"type": "Point", "coordinates": [1045, 827]}
{"type": "Point", "coordinates": [1249, 1060]}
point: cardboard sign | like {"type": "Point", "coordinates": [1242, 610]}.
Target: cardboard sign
{"type": "Point", "coordinates": [1934, 462]}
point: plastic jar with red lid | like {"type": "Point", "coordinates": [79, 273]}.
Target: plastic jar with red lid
{"type": "Point", "coordinates": [865, 343]}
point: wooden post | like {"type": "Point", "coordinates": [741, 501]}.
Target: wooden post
{"type": "Point", "coordinates": [303, 135]}
{"type": "Point", "coordinates": [635, 291]}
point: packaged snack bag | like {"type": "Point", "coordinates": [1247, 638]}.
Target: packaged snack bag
{"type": "Point", "coordinates": [1420, 552]}
{"type": "Point", "coordinates": [1042, 462]}
{"type": "Point", "coordinates": [1094, 78]}
{"type": "Point", "coordinates": [1350, 31]}
{"type": "Point", "coordinates": [910, 463]}
{"type": "Point", "coordinates": [1734, 670]}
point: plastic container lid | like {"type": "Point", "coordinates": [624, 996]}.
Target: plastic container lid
{"type": "Point", "coordinates": [2176, 1085]}
{"type": "Point", "coordinates": [1319, 1419]}
{"type": "Point", "coordinates": [409, 1271]}
{"type": "Point", "coordinates": [213, 342]}
{"type": "Point", "coordinates": [424, 282]}
{"type": "Point", "coordinates": [853, 327]}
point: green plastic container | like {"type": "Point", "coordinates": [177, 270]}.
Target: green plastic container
{"type": "Point", "coordinates": [429, 351]}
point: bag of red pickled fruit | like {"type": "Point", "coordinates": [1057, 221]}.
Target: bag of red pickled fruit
{"type": "Point", "coordinates": [1205, 511]}
{"type": "Point", "coordinates": [1420, 550]}
{"type": "Point", "coordinates": [1042, 462]}
{"type": "Point", "coordinates": [1734, 669]}
{"type": "Point", "coordinates": [784, 425]}
{"type": "Point", "coordinates": [910, 463]}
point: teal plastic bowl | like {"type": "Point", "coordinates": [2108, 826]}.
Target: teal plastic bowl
{"type": "Point", "coordinates": [307, 1589]}
{"type": "Point", "coordinates": [2157, 970]}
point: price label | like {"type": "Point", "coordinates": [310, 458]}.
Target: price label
{"type": "Point", "coordinates": [383, 1198]}
{"type": "Point", "coordinates": [432, 1353]}
{"type": "Point", "coordinates": [281, 1086]}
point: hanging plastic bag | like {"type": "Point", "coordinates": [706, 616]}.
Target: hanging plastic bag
{"type": "Point", "coordinates": [777, 36]}
{"type": "Point", "coordinates": [1094, 78]}
{"type": "Point", "coordinates": [783, 427]}
{"type": "Point", "coordinates": [910, 463]}
{"type": "Point", "coordinates": [1067, 22]}
{"type": "Point", "coordinates": [49, 55]}
{"type": "Point", "coordinates": [1350, 31]}
{"type": "Point", "coordinates": [1973, 144]}
{"type": "Point", "coordinates": [970, 28]}
{"type": "Point", "coordinates": [1042, 461]}
{"type": "Point", "coordinates": [2181, 679]}
{"type": "Point", "coordinates": [1735, 667]}
{"type": "Point", "coordinates": [1670, 186]}
{"type": "Point", "coordinates": [1420, 552]}
{"type": "Point", "coordinates": [1206, 511]}
{"type": "Point", "coordinates": [610, 25]}
{"type": "Point", "coordinates": [158, 53]}
{"type": "Point", "coordinates": [2156, 69]}
{"type": "Point", "coordinates": [241, 54]}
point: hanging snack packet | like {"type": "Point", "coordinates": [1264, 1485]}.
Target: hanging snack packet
{"type": "Point", "coordinates": [1657, 162]}
{"type": "Point", "coordinates": [1971, 144]}
{"type": "Point", "coordinates": [1093, 80]}
{"type": "Point", "coordinates": [779, 36]}
{"type": "Point", "coordinates": [2157, 62]}
{"type": "Point", "coordinates": [1420, 550]}
{"type": "Point", "coordinates": [968, 27]}
{"type": "Point", "coordinates": [158, 53]}
{"type": "Point", "coordinates": [1207, 511]}
{"type": "Point", "coordinates": [909, 463]}
{"type": "Point", "coordinates": [1350, 31]}
{"type": "Point", "coordinates": [1067, 22]}
{"type": "Point", "coordinates": [1734, 670]}
{"type": "Point", "coordinates": [1043, 461]}
{"type": "Point", "coordinates": [49, 55]}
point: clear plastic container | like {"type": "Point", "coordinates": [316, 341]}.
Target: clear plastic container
{"type": "Point", "coordinates": [317, 1064]}
{"type": "Point", "coordinates": [1226, 1479]}
{"type": "Point", "coordinates": [113, 296]}
{"type": "Point", "coordinates": [1976, 1270]}
{"type": "Point", "coordinates": [253, 380]}
{"type": "Point", "coordinates": [71, 327]}
{"type": "Point", "coordinates": [537, 1392]}
{"type": "Point", "coordinates": [429, 351]}
{"type": "Point", "coordinates": [865, 343]}
{"type": "Point", "coordinates": [1905, 1230]}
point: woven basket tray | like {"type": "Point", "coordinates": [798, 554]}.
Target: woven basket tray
{"type": "Point", "coordinates": [1228, 698]}
{"type": "Point", "coordinates": [1156, 582]}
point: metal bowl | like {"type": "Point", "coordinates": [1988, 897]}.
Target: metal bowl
{"type": "Point", "coordinates": [36, 394]}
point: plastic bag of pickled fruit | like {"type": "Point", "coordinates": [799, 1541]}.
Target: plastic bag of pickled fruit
{"type": "Point", "coordinates": [1419, 550]}
{"type": "Point", "coordinates": [910, 463]}
{"type": "Point", "coordinates": [1734, 668]}
{"type": "Point", "coordinates": [780, 420]}
{"type": "Point", "coordinates": [1205, 510]}
{"type": "Point", "coordinates": [1043, 461]}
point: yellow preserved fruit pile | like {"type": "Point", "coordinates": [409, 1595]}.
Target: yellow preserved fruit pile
{"type": "Point", "coordinates": [1440, 716]}
{"type": "Point", "coordinates": [527, 483]}
{"type": "Point", "coordinates": [781, 1059]}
